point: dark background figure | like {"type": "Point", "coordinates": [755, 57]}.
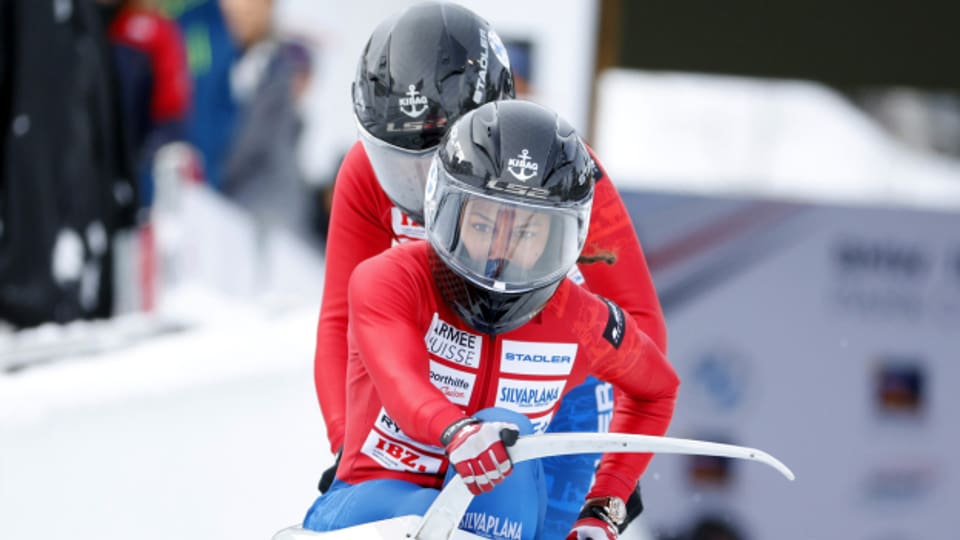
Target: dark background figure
{"type": "Point", "coordinates": [66, 176]}
{"type": "Point", "coordinates": [715, 528]}
{"type": "Point", "coordinates": [707, 527]}
{"type": "Point", "coordinates": [211, 53]}
{"type": "Point", "coordinates": [154, 81]}
{"type": "Point", "coordinates": [520, 52]}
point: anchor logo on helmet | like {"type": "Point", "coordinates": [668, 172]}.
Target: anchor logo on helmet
{"type": "Point", "coordinates": [522, 164]}
{"type": "Point", "coordinates": [414, 105]}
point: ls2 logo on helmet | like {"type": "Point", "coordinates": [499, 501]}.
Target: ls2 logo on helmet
{"type": "Point", "coordinates": [414, 105]}
{"type": "Point", "coordinates": [415, 125]}
{"type": "Point", "coordinates": [518, 189]}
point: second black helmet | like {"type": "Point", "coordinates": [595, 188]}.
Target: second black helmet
{"type": "Point", "coordinates": [422, 69]}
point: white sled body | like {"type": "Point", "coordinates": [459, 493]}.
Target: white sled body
{"type": "Point", "coordinates": [387, 529]}
{"type": "Point", "coordinates": [442, 518]}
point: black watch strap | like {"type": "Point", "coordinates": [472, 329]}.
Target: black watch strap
{"type": "Point", "coordinates": [453, 428]}
{"type": "Point", "coordinates": [610, 510]}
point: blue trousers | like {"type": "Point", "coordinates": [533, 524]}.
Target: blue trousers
{"type": "Point", "coordinates": [585, 408]}
{"type": "Point", "coordinates": [514, 510]}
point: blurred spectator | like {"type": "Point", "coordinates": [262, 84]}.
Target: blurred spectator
{"type": "Point", "coordinates": [211, 53]}
{"type": "Point", "coordinates": [249, 21]}
{"type": "Point", "coordinates": [262, 170]}
{"type": "Point", "coordinates": [154, 81]}
{"type": "Point", "coordinates": [66, 182]}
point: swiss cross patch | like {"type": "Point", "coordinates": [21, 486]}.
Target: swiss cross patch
{"type": "Point", "coordinates": [615, 328]}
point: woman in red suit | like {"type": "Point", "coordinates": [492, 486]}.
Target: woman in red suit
{"type": "Point", "coordinates": [460, 342]}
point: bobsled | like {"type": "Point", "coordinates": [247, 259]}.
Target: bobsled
{"type": "Point", "coordinates": [443, 516]}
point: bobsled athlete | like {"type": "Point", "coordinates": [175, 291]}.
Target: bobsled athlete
{"type": "Point", "coordinates": [421, 69]}
{"type": "Point", "coordinates": [460, 343]}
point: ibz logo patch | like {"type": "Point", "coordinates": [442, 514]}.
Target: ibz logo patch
{"type": "Point", "coordinates": [389, 446]}
{"type": "Point", "coordinates": [397, 456]}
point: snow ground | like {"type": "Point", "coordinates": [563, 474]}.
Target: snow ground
{"type": "Point", "coordinates": [206, 434]}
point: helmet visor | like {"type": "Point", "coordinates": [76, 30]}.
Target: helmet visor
{"type": "Point", "coordinates": [499, 244]}
{"type": "Point", "coordinates": [402, 173]}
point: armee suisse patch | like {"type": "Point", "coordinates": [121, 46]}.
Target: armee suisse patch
{"type": "Point", "coordinates": [452, 344]}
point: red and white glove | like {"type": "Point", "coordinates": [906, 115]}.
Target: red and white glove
{"type": "Point", "coordinates": [478, 452]}
{"type": "Point", "coordinates": [591, 528]}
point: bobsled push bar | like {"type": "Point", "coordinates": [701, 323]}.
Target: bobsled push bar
{"type": "Point", "coordinates": [441, 520]}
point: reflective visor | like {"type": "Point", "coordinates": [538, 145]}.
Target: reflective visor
{"type": "Point", "coordinates": [501, 245]}
{"type": "Point", "coordinates": [402, 173]}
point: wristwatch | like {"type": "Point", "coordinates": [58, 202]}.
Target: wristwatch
{"type": "Point", "coordinates": [610, 509]}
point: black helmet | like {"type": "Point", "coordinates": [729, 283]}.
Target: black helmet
{"type": "Point", "coordinates": [421, 69]}
{"type": "Point", "coordinates": [507, 205]}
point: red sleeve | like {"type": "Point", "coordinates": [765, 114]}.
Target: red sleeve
{"type": "Point", "coordinates": [644, 381]}
{"type": "Point", "coordinates": [386, 300]}
{"type": "Point", "coordinates": [626, 278]}
{"type": "Point", "coordinates": [159, 38]}
{"type": "Point", "coordinates": [356, 233]}
{"type": "Point", "coordinates": [171, 93]}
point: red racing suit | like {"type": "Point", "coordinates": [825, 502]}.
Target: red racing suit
{"type": "Point", "coordinates": [415, 368]}
{"type": "Point", "coordinates": [364, 223]}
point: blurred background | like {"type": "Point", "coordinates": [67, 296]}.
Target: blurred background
{"type": "Point", "coordinates": [792, 169]}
